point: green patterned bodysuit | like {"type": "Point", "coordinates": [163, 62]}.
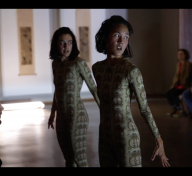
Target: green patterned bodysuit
{"type": "Point", "coordinates": [119, 139]}
{"type": "Point", "coordinates": [72, 119]}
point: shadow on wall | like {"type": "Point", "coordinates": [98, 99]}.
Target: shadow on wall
{"type": "Point", "coordinates": [155, 43]}
{"type": "Point", "coordinates": [145, 43]}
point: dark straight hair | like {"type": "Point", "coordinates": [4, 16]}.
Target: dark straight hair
{"type": "Point", "coordinates": [186, 52]}
{"type": "Point", "coordinates": [54, 53]}
{"type": "Point", "coordinates": [104, 31]}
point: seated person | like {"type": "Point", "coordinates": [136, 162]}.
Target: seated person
{"type": "Point", "coordinates": [1, 109]}
{"type": "Point", "coordinates": [181, 82]}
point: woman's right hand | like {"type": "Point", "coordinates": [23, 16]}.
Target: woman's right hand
{"type": "Point", "coordinates": [159, 151]}
{"type": "Point", "coordinates": [51, 120]}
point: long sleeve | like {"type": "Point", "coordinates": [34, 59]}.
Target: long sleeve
{"type": "Point", "coordinates": [86, 75]}
{"type": "Point", "coordinates": [54, 105]}
{"type": "Point", "coordinates": [136, 82]}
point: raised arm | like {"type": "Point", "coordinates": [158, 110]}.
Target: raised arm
{"type": "Point", "coordinates": [136, 82]}
{"type": "Point", "coordinates": [86, 75]}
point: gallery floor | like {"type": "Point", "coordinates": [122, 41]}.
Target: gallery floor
{"type": "Point", "coordinates": [25, 140]}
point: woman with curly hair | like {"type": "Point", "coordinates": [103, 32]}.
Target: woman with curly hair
{"type": "Point", "coordinates": [69, 71]}
{"type": "Point", "coordinates": [117, 79]}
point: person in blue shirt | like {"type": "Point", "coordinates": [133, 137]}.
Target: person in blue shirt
{"type": "Point", "coordinates": [187, 96]}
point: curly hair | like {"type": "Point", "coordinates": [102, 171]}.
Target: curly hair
{"type": "Point", "coordinates": [54, 53]}
{"type": "Point", "coordinates": [104, 31]}
{"type": "Point", "coordinates": [186, 52]}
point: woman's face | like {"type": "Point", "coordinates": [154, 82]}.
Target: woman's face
{"type": "Point", "coordinates": [117, 40]}
{"type": "Point", "coordinates": [65, 45]}
{"type": "Point", "coordinates": [181, 56]}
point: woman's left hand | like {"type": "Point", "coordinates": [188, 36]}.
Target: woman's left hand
{"type": "Point", "coordinates": [159, 151]}
{"type": "Point", "coordinates": [51, 119]}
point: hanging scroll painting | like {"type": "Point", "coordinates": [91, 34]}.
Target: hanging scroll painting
{"type": "Point", "coordinates": [83, 34]}
{"type": "Point", "coordinates": [84, 43]}
{"type": "Point", "coordinates": [26, 42]}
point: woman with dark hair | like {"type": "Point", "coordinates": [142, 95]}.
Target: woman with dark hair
{"type": "Point", "coordinates": [69, 71]}
{"type": "Point", "coordinates": [181, 82]}
{"type": "Point", "coordinates": [117, 79]}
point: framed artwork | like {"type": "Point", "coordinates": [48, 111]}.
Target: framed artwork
{"type": "Point", "coordinates": [26, 48]}
{"type": "Point", "coordinates": [83, 34]}
{"type": "Point", "coordinates": [84, 43]}
{"type": "Point", "coordinates": [26, 42]}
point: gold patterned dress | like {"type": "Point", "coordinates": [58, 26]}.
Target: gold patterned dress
{"type": "Point", "coordinates": [72, 119]}
{"type": "Point", "coordinates": [119, 139]}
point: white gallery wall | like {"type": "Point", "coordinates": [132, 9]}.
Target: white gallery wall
{"type": "Point", "coordinates": [12, 83]}
{"type": "Point", "coordinates": [42, 83]}
{"type": "Point", "coordinates": [121, 12]}
{"type": "Point", "coordinates": [68, 19]}
{"type": "Point", "coordinates": [46, 21]}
